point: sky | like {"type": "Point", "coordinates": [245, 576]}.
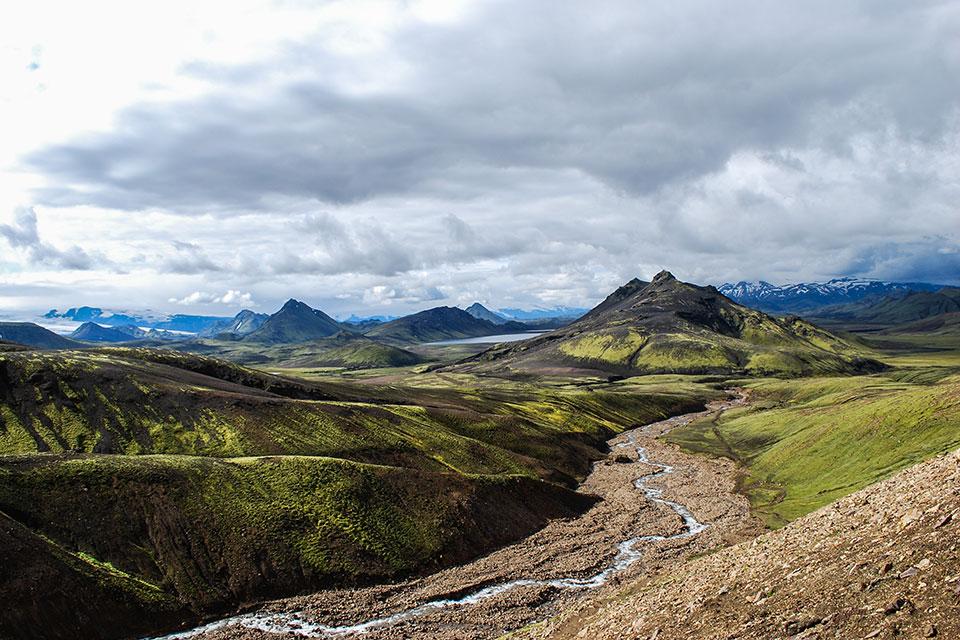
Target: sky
{"type": "Point", "coordinates": [386, 157]}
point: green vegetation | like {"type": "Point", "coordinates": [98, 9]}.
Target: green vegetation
{"type": "Point", "coordinates": [668, 326]}
{"type": "Point", "coordinates": [208, 484]}
{"type": "Point", "coordinates": [805, 443]}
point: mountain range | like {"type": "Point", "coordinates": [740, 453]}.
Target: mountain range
{"type": "Point", "coordinates": [441, 323]}
{"type": "Point", "coordinates": [897, 309]}
{"type": "Point", "coordinates": [809, 296]}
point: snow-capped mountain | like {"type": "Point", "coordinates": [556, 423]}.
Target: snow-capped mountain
{"type": "Point", "coordinates": [808, 296]}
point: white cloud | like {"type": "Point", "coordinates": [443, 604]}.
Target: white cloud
{"type": "Point", "coordinates": [232, 298]}
{"type": "Point", "coordinates": [377, 154]}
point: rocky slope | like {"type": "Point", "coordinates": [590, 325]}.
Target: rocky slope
{"type": "Point", "coordinates": [883, 562]}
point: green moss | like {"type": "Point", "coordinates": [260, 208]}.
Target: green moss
{"type": "Point", "coordinates": [808, 442]}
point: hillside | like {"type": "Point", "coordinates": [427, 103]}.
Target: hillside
{"type": "Point", "coordinates": [880, 563]}
{"type": "Point", "coordinates": [439, 323]}
{"type": "Point", "coordinates": [896, 310]}
{"type": "Point", "coordinates": [233, 485]}
{"type": "Point", "coordinates": [805, 443]}
{"type": "Point", "coordinates": [33, 335]}
{"type": "Point", "coordinates": [670, 326]}
{"type": "Point", "coordinates": [346, 350]}
{"type": "Point", "coordinates": [294, 322]}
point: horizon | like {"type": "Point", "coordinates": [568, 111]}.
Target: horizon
{"type": "Point", "coordinates": [65, 325]}
{"type": "Point", "coordinates": [384, 157]}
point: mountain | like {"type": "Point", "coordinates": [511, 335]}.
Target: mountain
{"type": "Point", "coordinates": [808, 296]}
{"type": "Point", "coordinates": [671, 326]}
{"type": "Point", "coordinates": [176, 322]}
{"type": "Point", "coordinates": [522, 315]}
{"type": "Point", "coordinates": [33, 335]}
{"type": "Point", "coordinates": [480, 312]}
{"type": "Point", "coordinates": [77, 314]}
{"type": "Point", "coordinates": [240, 325]}
{"type": "Point", "coordinates": [892, 310]}
{"type": "Point", "coordinates": [944, 324]}
{"type": "Point", "coordinates": [440, 323]}
{"type": "Point", "coordinates": [93, 332]}
{"type": "Point", "coordinates": [295, 322]}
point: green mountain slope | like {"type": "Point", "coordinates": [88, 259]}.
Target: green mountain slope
{"type": "Point", "coordinates": [671, 326]}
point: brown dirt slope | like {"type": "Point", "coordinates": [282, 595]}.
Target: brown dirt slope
{"type": "Point", "coordinates": [883, 562]}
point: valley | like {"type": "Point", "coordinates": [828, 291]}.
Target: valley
{"type": "Point", "coordinates": [413, 480]}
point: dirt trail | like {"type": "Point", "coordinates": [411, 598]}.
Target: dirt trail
{"type": "Point", "coordinates": [659, 506]}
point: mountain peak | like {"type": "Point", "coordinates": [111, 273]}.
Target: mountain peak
{"type": "Point", "coordinates": [293, 304]}
{"type": "Point", "coordinates": [663, 276]}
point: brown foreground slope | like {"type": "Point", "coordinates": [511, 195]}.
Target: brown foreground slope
{"type": "Point", "coordinates": [883, 562]}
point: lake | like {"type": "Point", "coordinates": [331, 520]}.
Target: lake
{"type": "Point", "coordinates": [503, 337]}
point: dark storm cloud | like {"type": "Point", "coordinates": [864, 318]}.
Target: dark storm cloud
{"type": "Point", "coordinates": [637, 96]}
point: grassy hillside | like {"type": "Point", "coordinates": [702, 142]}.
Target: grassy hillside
{"type": "Point", "coordinates": [199, 534]}
{"type": "Point", "coordinates": [805, 443]}
{"type": "Point", "coordinates": [344, 350]}
{"type": "Point", "coordinates": [195, 485]}
{"type": "Point", "coordinates": [668, 326]}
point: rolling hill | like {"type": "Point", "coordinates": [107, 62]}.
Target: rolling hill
{"type": "Point", "coordinates": [345, 349]}
{"type": "Point", "coordinates": [33, 335]}
{"type": "Point", "coordinates": [670, 326]}
{"type": "Point", "coordinates": [440, 323]}
{"type": "Point", "coordinates": [295, 322]}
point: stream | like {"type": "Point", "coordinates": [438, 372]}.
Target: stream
{"type": "Point", "coordinates": [629, 551]}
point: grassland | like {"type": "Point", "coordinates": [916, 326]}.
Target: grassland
{"type": "Point", "coordinates": [804, 443]}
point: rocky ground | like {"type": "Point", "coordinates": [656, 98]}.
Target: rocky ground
{"type": "Point", "coordinates": [881, 563]}
{"type": "Point", "coordinates": [577, 547]}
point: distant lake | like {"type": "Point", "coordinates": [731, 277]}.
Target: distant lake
{"type": "Point", "coordinates": [503, 337]}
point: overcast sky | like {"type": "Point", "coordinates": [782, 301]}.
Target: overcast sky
{"type": "Point", "coordinates": [385, 157]}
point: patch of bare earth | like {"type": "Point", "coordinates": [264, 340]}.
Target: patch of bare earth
{"type": "Point", "coordinates": [881, 563]}
{"type": "Point", "coordinates": [577, 547]}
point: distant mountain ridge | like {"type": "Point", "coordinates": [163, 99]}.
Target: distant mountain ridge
{"type": "Point", "coordinates": [440, 323]}
{"type": "Point", "coordinates": [895, 310]}
{"type": "Point", "coordinates": [808, 296]}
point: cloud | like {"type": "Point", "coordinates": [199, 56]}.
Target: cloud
{"type": "Point", "coordinates": [539, 153]}
{"type": "Point", "coordinates": [232, 298]}
{"type": "Point", "coordinates": [23, 234]}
